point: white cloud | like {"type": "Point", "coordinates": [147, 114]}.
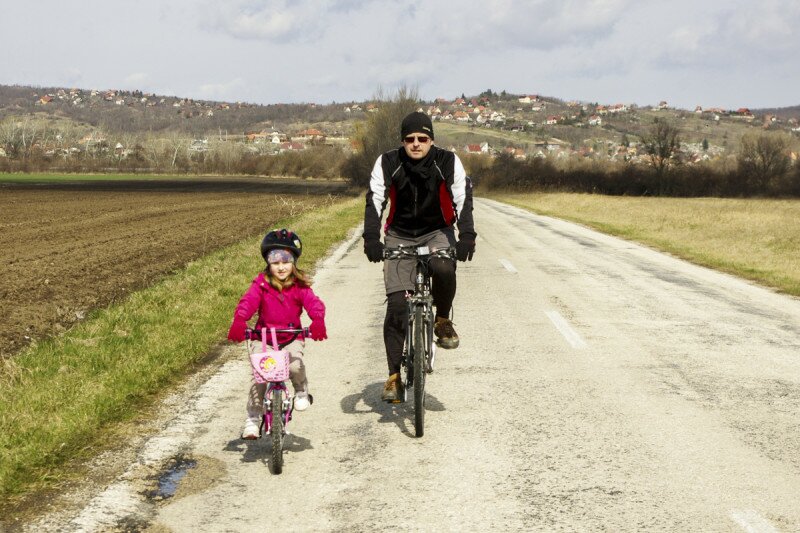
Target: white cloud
{"type": "Point", "coordinates": [221, 91]}
{"type": "Point", "coordinates": [137, 78]}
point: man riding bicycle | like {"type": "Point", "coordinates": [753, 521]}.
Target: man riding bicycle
{"type": "Point", "coordinates": [429, 193]}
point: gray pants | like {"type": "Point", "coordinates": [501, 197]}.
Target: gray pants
{"type": "Point", "coordinates": [398, 274]}
{"type": "Point", "coordinates": [297, 374]}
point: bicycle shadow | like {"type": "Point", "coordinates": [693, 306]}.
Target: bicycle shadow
{"type": "Point", "coordinates": [401, 414]}
{"type": "Point", "coordinates": [259, 449]}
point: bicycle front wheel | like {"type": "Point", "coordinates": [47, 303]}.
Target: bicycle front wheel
{"type": "Point", "coordinates": [419, 371]}
{"type": "Point", "coordinates": [276, 409]}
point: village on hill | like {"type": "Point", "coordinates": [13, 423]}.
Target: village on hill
{"type": "Point", "coordinates": [522, 126]}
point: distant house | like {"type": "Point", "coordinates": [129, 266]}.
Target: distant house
{"type": "Point", "coordinates": [198, 146]}
{"type": "Point", "coordinates": [310, 135]}
{"type": "Point", "coordinates": [255, 137]}
{"type": "Point", "coordinates": [595, 120]}
{"type": "Point", "coordinates": [461, 116]}
{"type": "Point", "coordinates": [743, 113]}
{"type": "Point", "coordinates": [291, 147]}
{"type": "Point", "coordinates": [516, 153]}
{"type": "Point", "coordinates": [662, 104]}
{"type": "Point", "coordinates": [482, 148]}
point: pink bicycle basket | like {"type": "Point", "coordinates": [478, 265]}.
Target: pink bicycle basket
{"type": "Point", "coordinates": [269, 365]}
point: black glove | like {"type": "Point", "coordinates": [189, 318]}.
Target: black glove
{"type": "Point", "coordinates": [374, 251]}
{"type": "Point", "coordinates": [464, 249]}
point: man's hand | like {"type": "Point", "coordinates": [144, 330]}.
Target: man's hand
{"type": "Point", "coordinates": [464, 249]}
{"type": "Point", "coordinates": [374, 251]}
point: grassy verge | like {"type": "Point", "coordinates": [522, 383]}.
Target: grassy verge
{"type": "Point", "coordinates": [59, 397]}
{"type": "Point", "coordinates": [751, 238]}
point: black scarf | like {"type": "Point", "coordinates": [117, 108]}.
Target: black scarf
{"type": "Point", "coordinates": [421, 172]}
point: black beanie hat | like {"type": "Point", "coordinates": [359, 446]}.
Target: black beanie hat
{"type": "Point", "coordinates": [416, 122]}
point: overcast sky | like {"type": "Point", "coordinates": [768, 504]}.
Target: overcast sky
{"type": "Point", "coordinates": [713, 53]}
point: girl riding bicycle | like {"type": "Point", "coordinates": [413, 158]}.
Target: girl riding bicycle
{"type": "Point", "coordinates": [279, 295]}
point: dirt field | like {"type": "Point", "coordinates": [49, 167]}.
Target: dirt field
{"type": "Point", "coordinates": [68, 248]}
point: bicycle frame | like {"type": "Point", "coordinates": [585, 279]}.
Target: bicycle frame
{"type": "Point", "coordinates": [277, 402]}
{"type": "Point", "coordinates": [287, 403]}
{"type": "Point", "coordinates": [419, 350]}
{"type": "Point", "coordinates": [420, 300]}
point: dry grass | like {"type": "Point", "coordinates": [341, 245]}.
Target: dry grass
{"type": "Point", "coordinates": [752, 238]}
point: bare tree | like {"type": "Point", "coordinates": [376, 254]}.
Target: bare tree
{"type": "Point", "coordinates": [764, 160]}
{"type": "Point", "coordinates": [661, 143]}
{"type": "Point", "coordinates": [380, 133]}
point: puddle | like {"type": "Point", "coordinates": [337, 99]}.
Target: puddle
{"type": "Point", "coordinates": [187, 475]}
{"type": "Point", "coordinates": [168, 481]}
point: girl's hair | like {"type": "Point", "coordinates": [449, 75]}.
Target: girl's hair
{"type": "Point", "coordinates": [297, 276]}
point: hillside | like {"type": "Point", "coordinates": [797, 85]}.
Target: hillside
{"type": "Point", "coordinates": [525, 125]}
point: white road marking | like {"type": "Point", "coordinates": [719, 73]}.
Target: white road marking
{"type": "Point", "coordinates": [752, 522]}
{"type": "Point", "coordinates": [566, 330]}
{"type": "Point", "coordinates": [508, 266]}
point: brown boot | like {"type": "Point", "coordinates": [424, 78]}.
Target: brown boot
{"type": "Point", "coordinates": [393, 389]}
{"type": "Point", "coordinates": [447, 336]}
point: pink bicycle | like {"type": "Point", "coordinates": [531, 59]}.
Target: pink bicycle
{"type": "Point", "coordinates": [271, 366]}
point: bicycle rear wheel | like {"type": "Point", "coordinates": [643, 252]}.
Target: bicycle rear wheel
{"type": "Point", "coordinates": [276, 409]}
{"type": "Point", "coordinates": [419, 371]}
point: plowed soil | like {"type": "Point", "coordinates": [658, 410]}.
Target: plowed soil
{"type": "Point", "coordinates": [68, 248]}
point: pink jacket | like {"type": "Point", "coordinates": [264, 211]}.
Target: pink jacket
{"type": "Point", "coordinates": [279, 309]}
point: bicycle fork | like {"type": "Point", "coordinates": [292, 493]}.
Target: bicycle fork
{"type": "Point", "coordinates": [286, 408]}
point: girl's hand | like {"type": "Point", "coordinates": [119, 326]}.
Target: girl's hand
{"type": "Point", "coordinates": [317, 330]}
{"type": "Point", "coordinates": [236, 333]}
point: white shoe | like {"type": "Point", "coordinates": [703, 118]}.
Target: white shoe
{"type": "Point", "coordinates": [251, 428]}
{"type": "Point", "coordinates": [302, 401]}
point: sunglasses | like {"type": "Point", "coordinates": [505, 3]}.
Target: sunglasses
{"type": "Point", "coordinates": [420, 140]}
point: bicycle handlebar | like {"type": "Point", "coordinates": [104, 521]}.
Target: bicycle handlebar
{"type": "Point", "coordinates": [255, 334]}
{"type": "Point", "coordinates": [417, 252]}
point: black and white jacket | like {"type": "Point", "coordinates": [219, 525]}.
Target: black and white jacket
{"type": "Point", "coordinates": [419, 202]}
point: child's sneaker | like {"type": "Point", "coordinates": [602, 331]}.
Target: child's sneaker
{"type": "Point", "coordinates": [252, 427]}
{"type": "Point", "coordinates": [302, 401]}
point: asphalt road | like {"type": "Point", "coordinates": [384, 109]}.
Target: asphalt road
{"type": "Point", "coordinates": [599, 386]}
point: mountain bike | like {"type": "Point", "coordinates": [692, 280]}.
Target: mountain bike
{"type": "Point", "coordinates": [419, 351]}
{"type": "Point", "coordinates": [278, 404]}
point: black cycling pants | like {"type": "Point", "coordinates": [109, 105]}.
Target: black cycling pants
{"type": "Point", "coordinates": [443, 290]}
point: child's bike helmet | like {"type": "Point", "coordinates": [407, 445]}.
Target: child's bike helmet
{"type": "Point", "coordinates": [281, 238]}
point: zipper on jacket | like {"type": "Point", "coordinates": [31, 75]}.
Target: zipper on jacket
{"type": "Point", "coordinates": [415, 200]}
